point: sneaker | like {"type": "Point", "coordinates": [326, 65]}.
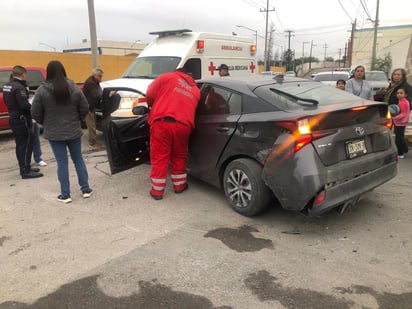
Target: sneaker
{"type": "Point", "coordinates": [401, 156]}
{"type": "Point", "coordinates": [41, 163]}
{"type": "Point", "coordinates": [87, 193]}
{"type": "Point", "coordinates": [64, 199]}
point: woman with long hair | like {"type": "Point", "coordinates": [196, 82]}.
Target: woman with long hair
{"type": "Point", "coordinates": [357, 84]}
{"type": "Point", "coordinates": [59, 105]}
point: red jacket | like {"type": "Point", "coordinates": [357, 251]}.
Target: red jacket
{"type": "Point", "coordinates": [175, 95]}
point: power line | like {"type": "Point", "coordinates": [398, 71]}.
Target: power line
{"type": "Point", "coordinates": [365, 9]}
{"type": "Point", "coordinates": [343, 8]}
{"type": "Point", "coordinates": [252, 3]}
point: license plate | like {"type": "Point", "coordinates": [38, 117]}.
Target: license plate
{"type": "Point", "coordinates": [355, 148]}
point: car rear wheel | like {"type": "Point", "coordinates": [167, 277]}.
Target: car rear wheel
{"type": "Point", "coordinates": [244, 187]}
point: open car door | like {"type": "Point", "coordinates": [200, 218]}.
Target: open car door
{"type": "Point", "coordinates": [127, 139]}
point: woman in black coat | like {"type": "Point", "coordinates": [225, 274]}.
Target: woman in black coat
{"type": "Point", "coordinates": [398, 80]}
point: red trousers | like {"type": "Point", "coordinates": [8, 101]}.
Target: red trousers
{"type": "Point", "coordinates": [168, 143]}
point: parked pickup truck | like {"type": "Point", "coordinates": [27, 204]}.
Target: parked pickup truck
{"type": "Point", "coordinates": [35, 76]}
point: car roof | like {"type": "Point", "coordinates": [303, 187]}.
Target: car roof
{"type": "Point", "coordinates": [333, 73]}
{"type": "Point", "coordinates": [246, 84]}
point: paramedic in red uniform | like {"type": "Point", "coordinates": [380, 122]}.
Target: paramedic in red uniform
{"type": "Point", "coordinates": [172, 99]}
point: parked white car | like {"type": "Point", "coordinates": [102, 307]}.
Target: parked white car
{"type": "Point", "coordinates": [330, 78]}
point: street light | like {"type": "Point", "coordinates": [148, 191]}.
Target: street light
{"type": "Point", "coordinates": [48, 45]}
{"type": "Point", "coordinates": [255, 31]}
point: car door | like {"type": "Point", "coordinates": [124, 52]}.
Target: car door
{"type": "Point", "coordinates": [217, 115]}
{"type": "Point", "coordinates": [127, 139]}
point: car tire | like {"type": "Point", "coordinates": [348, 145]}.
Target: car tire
{"type": "Point", "coordinates": [244, 188]}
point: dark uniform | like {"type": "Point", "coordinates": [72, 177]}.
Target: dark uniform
{"type": "Point", "coordinates": [16, 97]}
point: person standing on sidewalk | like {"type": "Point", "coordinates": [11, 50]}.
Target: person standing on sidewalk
{"type": "Point", "coordinates": [172, 99]}
{"type": "Point", "coordinates": [357, 84]}
{"type": "Point", "coordinates": [398, 80]}
{"type": "Point", "coordinates": [16, 97]}
{"type": "Point", "coordinates": [401, 121]}
{"type": "Point", "coordinates": [59, 105]}
{"type": "Point", "coordinates": [93, 94]}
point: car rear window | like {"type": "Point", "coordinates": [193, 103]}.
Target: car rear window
{"type": "Point", "coordinates": [290, 96]}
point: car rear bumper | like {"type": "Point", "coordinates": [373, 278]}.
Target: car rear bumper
{"type": "Point", "coordinates": [352, 188]}
{"type": "Point", "coordinates": [296, 181]}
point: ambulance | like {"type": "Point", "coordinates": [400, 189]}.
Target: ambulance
{"type": "Point", "coordinates": [201, 52]}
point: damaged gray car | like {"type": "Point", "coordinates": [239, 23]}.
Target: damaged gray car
{"type": "Point", "coordinates": [293, 142]}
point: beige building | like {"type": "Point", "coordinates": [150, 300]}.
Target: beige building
{"type": "Point", "coordinates": [395, 40]}
{"type": "Point", "coordinates": [114, 48]}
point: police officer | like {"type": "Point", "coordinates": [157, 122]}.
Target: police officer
{"type": "Point", "coordinates": [16, 97]}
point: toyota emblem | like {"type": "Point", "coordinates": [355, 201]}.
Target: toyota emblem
{"type": "Point", "coordinates": [360, 131]}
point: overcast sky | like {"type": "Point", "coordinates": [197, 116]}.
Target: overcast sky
{"type": "Point", "coordinates": [48, 24]}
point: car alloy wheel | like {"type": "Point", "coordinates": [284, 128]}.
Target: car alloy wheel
{"type": "Point", "coordinates": [244, 187]}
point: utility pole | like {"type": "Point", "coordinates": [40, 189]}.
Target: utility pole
{"type": "Point", "coordinates": [345, 55]}
{"type": "Point", "coordinates": [340, 53]}
{"type": "Point", "coordinates": [375, 36]}
{"type": "Point", "coordinates": [310, 55]}
{"type": "Point", "coordinates": [350, 49]}
{"type": "Point", "coordinates": [325, 46]}
{"type": "Point", "coordinates": [93, 35]}
{"type": "Point", "coordinates": [303, 53]}
{"type": "Point", "coordinates": [266, 34]}
{"type": "Point", "coordinates": [288, 52]}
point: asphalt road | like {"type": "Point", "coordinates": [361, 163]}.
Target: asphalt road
{"type": "Point", "coordinates": [121, 249]}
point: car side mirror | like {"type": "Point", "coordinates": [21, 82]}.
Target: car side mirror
{"type": "Point", "coordinates": [140, 110]}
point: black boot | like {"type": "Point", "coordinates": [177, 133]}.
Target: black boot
{"type": "Point", "coordinates": [31, 174]}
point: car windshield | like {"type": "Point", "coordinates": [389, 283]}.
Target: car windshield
{"type": "Point", "coordinates": [330, 77]}
{"type": "Point", "coordinates": [151, 67]}
{"type": "Point", "coordinates": [381, 76]}
{"type": "Point", "coordinates": [288, 96]}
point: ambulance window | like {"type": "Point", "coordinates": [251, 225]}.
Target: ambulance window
{"type": "Point", "coordinates": [151, 67]}
{"type": "Point", "coordinates": [193, 66]}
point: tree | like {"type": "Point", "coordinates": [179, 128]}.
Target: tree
{"type": "Point", "coordinates": [384, 64]}
{"type": "Point", "coordinates": [330, 59]}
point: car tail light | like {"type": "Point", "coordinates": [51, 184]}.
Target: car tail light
{"type": "Point", "coordinates": [319, 198]}
{"type": "Point", "coordinates": [302, 133]}
{"type": "Point", "coordinates": [388, 121]}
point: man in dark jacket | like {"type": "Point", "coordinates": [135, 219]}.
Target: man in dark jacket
{"type": "Point", "coordinates": [93, 94]}
{"type": "Point", "coordinates": [16, 97]}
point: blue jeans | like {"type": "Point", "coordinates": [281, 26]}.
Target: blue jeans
{"type": "Point", "coordinates": [36, 143]}
{"type": "Point", "coordinates": [60, 153]}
